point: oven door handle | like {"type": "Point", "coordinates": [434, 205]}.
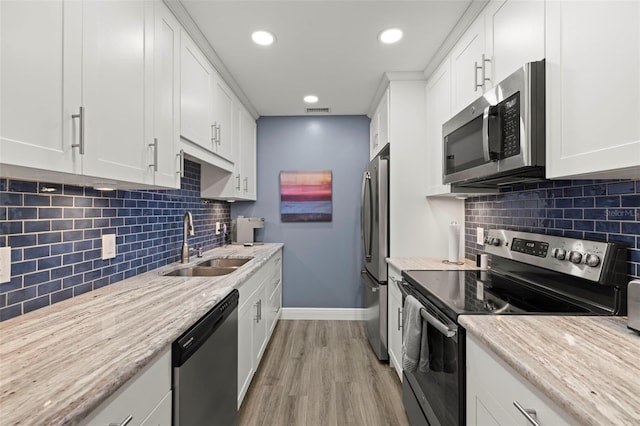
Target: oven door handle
{"type": "Point", "coordinates": [401, 284]}
{"type": "Point", "coordinates": [448, 332]}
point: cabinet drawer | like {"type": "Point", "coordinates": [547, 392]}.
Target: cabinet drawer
{"type": "Point", "coordinates": [138, 397]}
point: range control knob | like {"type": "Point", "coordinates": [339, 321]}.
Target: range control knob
{"type": "Point", "coordinates": [592, 260]}
{"type": "Point", "coordinates": [559, 253]}
{"type": "Point", "coordinates": [495, 241]}
{"type": "Point", "coordinates": [575, 257]}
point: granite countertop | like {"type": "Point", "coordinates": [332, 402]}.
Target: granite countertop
{"type": "Point", "coordinates": [428, 263]}
{"type": "Point", "coordinates": [58, 363]}
{"type": "Point", "coordinates": [587, 365]}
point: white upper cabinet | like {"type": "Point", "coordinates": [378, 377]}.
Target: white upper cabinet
{"type": "Point", "coordinates": [438, 110]}
{"type": "Point", "coordinates": [505, 36]}
{"type": "Point", "coordinates": [593, 89]}
{"type": "Point", "coordinates": [467, 82]}
{"type": "Point", "coordinates": [196, 88]}
{"type": "Point", "coordinates": [78, 83]}
{"type": "Point", "coordinates": [32, 101]}
{"type": "Point", "coordinates": [379, 127]}
{"type": "Point", "coordinates": [248, 156]}
{"type": "Point", "coordinates": [514, 36]}
{"type": "Point", "coordinates": [166, 119]}
{"type": "Point", "coordinates": [222, 119]}
{"type": "Point", "coordinates": [116, 69]}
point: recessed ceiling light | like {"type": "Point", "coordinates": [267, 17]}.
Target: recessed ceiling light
{"type": "Point", "coordinates": [263, 38]}
{"type": "Point", "coordinates": [311, 99]}
{"type": "Point", "coordinates": [391, 35]}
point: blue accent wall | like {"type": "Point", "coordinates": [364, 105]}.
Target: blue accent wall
{"type": "Point", "coordinates": [586, 209]}
{"type": "Point", "coordinates": [56, 237]}
{"type": "Point", "coordinates": [321, 262]}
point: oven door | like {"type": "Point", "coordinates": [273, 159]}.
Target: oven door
{"type": "Point", "coordinates": [435, 395]}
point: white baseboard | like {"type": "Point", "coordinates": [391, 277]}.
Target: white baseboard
{"type": "Point", "coordinates": [332, 314]}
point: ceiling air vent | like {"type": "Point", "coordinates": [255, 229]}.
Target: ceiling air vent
{"type": "Point", "coordinates": [318, 110]}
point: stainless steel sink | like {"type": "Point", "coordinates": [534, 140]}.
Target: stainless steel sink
{"type": "Point", "coordinates": [200, 271]}
{"type": "Point", "coordinates": [225, 262]}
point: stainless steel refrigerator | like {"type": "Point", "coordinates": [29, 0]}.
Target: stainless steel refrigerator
{"type": "Point", "coordinates": [374, 224]}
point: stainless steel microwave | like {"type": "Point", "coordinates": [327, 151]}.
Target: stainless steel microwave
{"type": "Point", "coordinates": [500, 138]}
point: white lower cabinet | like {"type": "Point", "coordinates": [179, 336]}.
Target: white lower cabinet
{"type": "Point", "coordinates": [146, 398]}
{"type": "Point", "coordinates": [493, 388]}
{"type": "Point", "coordinates": [255, 322]}
{"type": "Point", "coordinates": [394, 321]}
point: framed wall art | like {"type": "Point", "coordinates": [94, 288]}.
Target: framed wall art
{"type": "Point", "coordinates": [306, 196]}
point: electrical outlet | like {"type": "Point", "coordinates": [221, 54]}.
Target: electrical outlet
{"type": "Point", "coordinates": [217, 228]}
{"type": "Point", "coordinates": [5, 264]}
{"type": "Point", "coordinates": [479, 235]}
{"type": "Point", "coordinates": [108, 246]}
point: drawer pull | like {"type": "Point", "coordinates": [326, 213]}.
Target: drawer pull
{"type": "Point", "coordinates": [528, 413]}
{"type": "Point", "coordinates": [124, 423]}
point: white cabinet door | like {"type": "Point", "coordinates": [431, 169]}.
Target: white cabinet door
{"type": "Point", "coordinates": [514, 36]}
{"type": "Point", "coordinates": [248, 156]}
{"type": "Point", "coordinates": [116, 70]}
{"type": "Point", "coordinates": [394, 323]}
{"type": "Point", "coordinates": [245, 348]}
{"type": "Point", "coordinates": [438, 110]}
{"type": "Point", "coordinates": [493, 387]}
{"type": "Point", "coordinates": [36, 127]}
{"type": "Point", "coordinates": [196, 89]}
{"type": "Point", "coordinates": [260, 325]}
{"type": "Point", "coordinates": [161, 415]}
{"type": "Point", "coordinates": [166, 101]}
{"type": "Point", "coordinates": [593, 89]}
{"type": "Point", "coordinates": [138, 397]}
{"type": "Point", "coordinates": [380, 124]}
{"type": "Point", "coordinates": [467, 83]}
{"type": "Point", "coordinates": [223, 103]}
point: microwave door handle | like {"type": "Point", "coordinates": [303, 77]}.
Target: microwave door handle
{"type": "Point", "coordinates": [485, 134]}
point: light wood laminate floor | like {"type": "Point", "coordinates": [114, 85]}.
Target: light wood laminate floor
{"type": "Point", "coordinates": [317, 373]}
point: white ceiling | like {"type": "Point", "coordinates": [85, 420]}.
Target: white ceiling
{"type": "Point", "coordinates": [328, 48]}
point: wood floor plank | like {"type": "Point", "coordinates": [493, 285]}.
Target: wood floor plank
{"type": "Point", "coordinates": [322, 373]}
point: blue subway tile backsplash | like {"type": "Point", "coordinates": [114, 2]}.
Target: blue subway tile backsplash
{"type": "Point", "coordinates": [586, 209]}
{"type": "Point", "coordinates": [56, 237]}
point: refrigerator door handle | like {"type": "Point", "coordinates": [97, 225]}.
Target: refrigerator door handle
{"type": "Point", "coordinates": [366, 184]}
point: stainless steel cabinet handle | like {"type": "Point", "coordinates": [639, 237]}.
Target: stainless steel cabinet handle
{"type": "Point", "coordinates": [218, 134]}
{"type": "Point", "coordinates": [125, 422]}
{"type": "Point", "coordinates": [259, 310]}
{"type": "Point", "coordinates": [180, 155]}
{"type": "Point", "coordinates": [80, 117]}
{"type": "Point", "coordinates": [482, 68]}
{"type": "Point", "coordinates": [155, 154]}
{"type": "Point", "coordinates": [399, 319]}
{"type": "Point", "coordinates": [528, 413]}
{"type": "Point", "coordinates": [238, 185]}
{"type": "Point", "coordinates": [246, 184]}
{"type": "Point", "coordinates": [213, 134]}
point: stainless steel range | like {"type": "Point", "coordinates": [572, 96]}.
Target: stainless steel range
{"type": "Point", "coordinates": [530, 274]}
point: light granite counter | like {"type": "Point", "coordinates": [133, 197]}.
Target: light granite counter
{"type": "Point", "coordinates": [428, 263]}
{"type": "Point", "coordinates": [59, 363]}
{"type": "Point", "coordinates": [587, 365]}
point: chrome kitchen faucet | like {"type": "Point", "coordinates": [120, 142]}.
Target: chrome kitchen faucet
{"type": "Point", "coordinates": [187, 226]}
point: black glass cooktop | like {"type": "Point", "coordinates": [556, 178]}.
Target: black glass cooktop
{"type": "Point", "coordinates": [484, 292]}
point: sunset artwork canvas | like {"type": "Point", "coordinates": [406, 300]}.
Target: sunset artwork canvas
{"type": "Point", "coordinates": [306, 196]}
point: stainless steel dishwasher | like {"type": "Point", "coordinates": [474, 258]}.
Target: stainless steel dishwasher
{"type": "Point", "coordinates": [205, 368]}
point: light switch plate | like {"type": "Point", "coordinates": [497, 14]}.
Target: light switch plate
{"type": "Point", "coordinates": [5, 264]}
{"type": "Point", "coordinates": [108, 246]}
{"type": "Point", "coordinates": [479, 235]}
{"type": "Point", "coordinates": [217, 228]}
